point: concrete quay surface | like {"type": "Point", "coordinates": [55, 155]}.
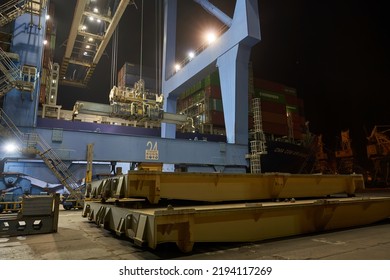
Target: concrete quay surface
{"type": "Point", "coordinates": [79, 239]}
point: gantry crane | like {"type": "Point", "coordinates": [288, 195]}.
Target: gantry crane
{"type": "Point", "coordinates": [378, 151]}
{"type": "Point", "coordinates": [344, 155]}
{"type": "Point", "coordinates": [92, 27]}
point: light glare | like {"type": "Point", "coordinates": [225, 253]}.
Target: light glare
{"type": "Point", "coordinates": [191, 55]}
{"type": "Point", "coordinates": [10, 147]}
{"type": "Point", "coordinates": [211, 37]}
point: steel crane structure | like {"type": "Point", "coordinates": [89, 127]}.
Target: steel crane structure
{"type": "Point", "coordinates": [92, 27]}
{"type": "Point", "coordinates": [60, 144]}
{"type": "Point", "coordinates": [230, 54]}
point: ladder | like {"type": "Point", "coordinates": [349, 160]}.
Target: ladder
{"type": "Point", "coordinates": [33, 144]}
{"type": "Point", "coordinates": [14, 8]}
{"type": "Point", "coordinates": [258, 144]}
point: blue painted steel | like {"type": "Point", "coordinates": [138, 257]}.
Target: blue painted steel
{"type": "Point", "coordinates": [169, 57]}
{"type": "Point", "coordinates": [233, 49]}
{"type": "Point", "coordinates": [215, 11]}
{"type": "Point", "coordinates": [39, 170]}
{"type": "Point", "coordinates": [15, 187]}
{"type": "Point", "coordinates": [27, 42]}
{"type": "Point", "coordinates": [234, 88]}
{"type": "Point", "coordinates": [130, 148]}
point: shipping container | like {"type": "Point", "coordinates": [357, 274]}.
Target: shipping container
{"type": "Point", "coordinates": [274, 118]}
{"type": "Point", "coordinates": [268, 85]}
{"type": "Point", "coordinates": [129, 74]}
{"type": "Point", "coordinates": [296, 118]}
{"type": "Point", "coordinates": [291, 100]}
{"type": "Point", "coordinates": [290, 91]}
{"type": "Point", "coordinates": [270, 96]}
{"type": "Point", "coordinates": [213, 92]}
{"type": "Point", "coordinates": [215, 105]}
{"type": "Point", "coordinates": [276, 101]}
{"type": "Point", "coordinates": [279, 130]}
{"type": "Point", "coordinates": [212, 79]}
{"type": "Point", "coordinates": [215, 118]}
{"type": "Point", "coordinates": [273, 107]}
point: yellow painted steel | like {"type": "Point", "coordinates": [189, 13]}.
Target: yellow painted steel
{"type": "Point", "coordinates": [236, 222]}
{"type": "Point", "coordinates": [217, 187]}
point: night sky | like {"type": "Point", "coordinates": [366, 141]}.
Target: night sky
{"type": "Point", "coordinates": [335, 53]}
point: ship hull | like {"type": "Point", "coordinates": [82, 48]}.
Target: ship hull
{"type": "Point", "coordinates": [287, 157]}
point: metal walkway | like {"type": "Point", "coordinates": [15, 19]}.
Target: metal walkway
{"type": "Point", "coordinates": [12, 76]}
{"type": "Point", "coordinates": [12, 9]}
{"type": "Point", "coordinates": [92, 27]}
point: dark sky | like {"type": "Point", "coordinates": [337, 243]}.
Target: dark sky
{"type": "Point", "coordinates": [335, 53]}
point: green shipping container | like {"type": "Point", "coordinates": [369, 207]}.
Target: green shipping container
{"type": "Point", "coordinates": [212, 79]}
{"type": "Point", "coordinates": [270, 96]}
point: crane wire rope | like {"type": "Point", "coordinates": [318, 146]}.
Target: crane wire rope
{"type": "Point", "coordinates": [158, 37]}
{"type": "Point", "coordinates": [114, 57]}
{"type": "Point", "coordinates": [142, 38]}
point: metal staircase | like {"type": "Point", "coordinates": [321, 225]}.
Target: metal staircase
{"type": "Point", "coordinates": [12, 9]}
{"type": "Point", "coordinates": [33, 144]}
{"type": "Point", "coordinates": [13, 77]}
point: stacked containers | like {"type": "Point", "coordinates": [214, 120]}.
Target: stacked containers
{"type": "Point", "coordinates": [213, 101]}
{"type": "Point", "coordinates": [203, 102]}
{"type": "Point", "coordinates": [279, 106]}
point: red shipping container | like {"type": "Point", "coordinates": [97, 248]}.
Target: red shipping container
{"type": "Point", "coordinates": [217, 118]}
{"type": "Point", "coordinates": [291, 100]}
{"type": "Point", "coordinates": [213, 92]}
{"type": "Point", "coordinates": [273, 107]}
{"type": "Point", "coordinates": [296, 118]}
{"type": "Point", "coordinates": [275, 129]}
{"type": "Point", "coordinates": [274, 117]}
{"type": "Point", "coordinates": [290, 91]}
{"type": "Point", "coordinates": [268, 85]}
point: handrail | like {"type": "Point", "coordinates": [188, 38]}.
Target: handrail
{"type": "Point", "coordinates": [51, 159]}
{"type": "Point", "coordinates": [12, 206]}
{"type": "Point", "coordinates": [12, 9]}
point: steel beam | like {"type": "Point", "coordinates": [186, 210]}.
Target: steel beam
{"type": "Point", "coordinates": [215, 11]}
{"type": "Point", "coordinates": [236, 222]}
{"type": "Point", "coordinates": [132, 148]}
{"type": "Point", "coordinates": [221, 187]}
{"type": "Point", "coordinates": [111, 28]}
{"type": "Point", "coordinates": [78, 14]}
{"type": "Point", "coordinates": [230, 53]}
